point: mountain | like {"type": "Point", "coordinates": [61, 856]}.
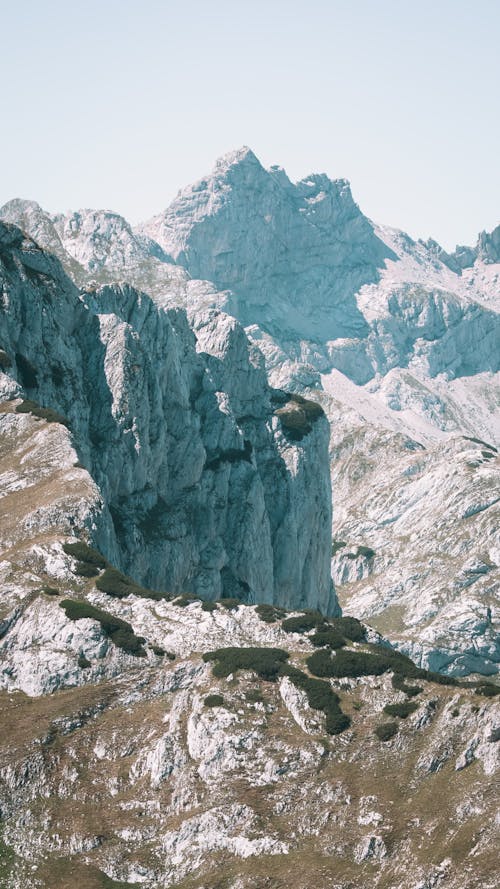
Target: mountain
{"type": "Point", "coordinates": [395, 338]}
{"type": "Point", "coordinates": [198, 482]}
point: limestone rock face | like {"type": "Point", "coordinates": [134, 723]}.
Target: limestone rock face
{"type": "Point", "coordinates": [396, 338]}
{"type": "Point", "coordinates": [202, 488]}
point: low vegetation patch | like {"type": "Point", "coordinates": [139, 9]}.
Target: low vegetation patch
{"type": "Point", "coordinates": [214, 701]}
{"type": "Point", "coordinates": [488, 689]}
{"type": "Point", "coordinates": [401, 710]}
{"type": "Point", "coordinates": [119, 631]}
{"type": "Point", "coordinates": [349, 627]}
{"type": "Point", "coordinates": [116, 584]}
{"type": "Point", "coordinates": [230, 603]}
{"type": "Point", "coordinates": [308, 620]}
{"type": "Point", "coordinates": [209, 606]}
{"type": "Point", "coordinates": [83, 662]}
{"type": "Point", "coordinates": [320, 696]}
{"type": "Point", "coordinates": [50, 591]}
{"type": "Point", "coordinates": [185, 600]}
{"type": "Point", "coordinates": [5, 360]}
{"type": "Point", "coordinates": [266, 662]}
{"type": "Point", "coordinates": [399, 684]}
{"type": "Point", "coordinates": [327, 638]}
{"type": "Point", "coordinates": [270, 613]}
{"type": "Point", "coordinates": [337, 545]}
{"type": "Point", "coordinates": [42, 413]}
{"type": "Point", "coordinates": [360, 663]}
{"type": "Point", "coordinates": [386, 731]}
{"type": "Point", "coordinates": [84, 553]}
{"type": "Point", "coordinates": [297, 416]}
{"type": "Point", "coordinates": [83, 569]}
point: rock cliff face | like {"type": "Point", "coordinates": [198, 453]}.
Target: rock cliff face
{"type": "Point", "coordinates": [203, 489]}
{"type": "Point", "coordinates": [398, 341]}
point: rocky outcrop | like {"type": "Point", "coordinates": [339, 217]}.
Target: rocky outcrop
{"type": "Point", "coordinates": [146, 770]}
{"type": "Point", "coordinates": [202, 488]}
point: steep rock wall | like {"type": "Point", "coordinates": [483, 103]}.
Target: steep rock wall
{"type": "Point", "coordinates": [202, 489]}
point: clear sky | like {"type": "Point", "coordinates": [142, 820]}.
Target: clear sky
{"type": "Point", "coordinates": [119, 103]}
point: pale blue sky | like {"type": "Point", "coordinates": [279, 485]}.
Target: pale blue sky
{"type": "Point", "coordinates": [119, 103]}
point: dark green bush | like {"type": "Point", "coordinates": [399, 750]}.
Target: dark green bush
{"type": "Point", "coordinates": [327, 638]}
{"type": "Point", "coordinates": [254, 696]}
{"type": "Point", "coordinates": [83, 662]}
{"type": "Point", "coordinates": [114, 583]}
{"type": "Point", "coordinates": [119, 631]}
{"type": "Point", "coordinates": [5, 360]}
{"type": "Point", "coordinates": [336, 545]}
{"type": "Point", "coordinates": [214, 701]}
{"type": "Point", "coordinates": [298, 415]}
{"type": "Point", "coordinates": [488, 689]}
{"type": "Point", "coordinates": [209, 606]}
{"type": "Point", "coordinates": [50, 591]}
{"type": "Point", "coordinates": [455, 712]}
{"type": "Point", "coordinates": [439, 678]}
{"type": "Point", "coordinates": [386, 731]}
{"type": "Point", "coordinates": [349, 627]}
{"type": "Point", "coordinates": [266, 662]}
{"type": "Point", "coordinates": [346, 663]}
{"type": "Point", "coordinates": [230, 603]}
{"type": "Point", "coordinates": [185, 600]}
{"type": "Point", "coordinates": [83, 569]}
{"type": "Point", "coordinates": [270, 613]}
{"type": "Point", "coordinates": [494, 735]}
{"type": "Point", "coordinates": [320, 696]}
{"type": "Point", "coordinates": [84, 553]}
{"type": "Point", "coordinates": [401, 710]}
{"type": "Point", "coordinates": [309, 620]}
{"type": "Point", "coordinates": [158, 650]}
{"type": "Point", "coordinates": [410, 690]}
{"type": "Point", "coordinates": [43, 413]}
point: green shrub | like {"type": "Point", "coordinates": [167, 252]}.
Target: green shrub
{"type": "Point", "coordinates": [336, 545]}
{"type": "Point", "coordinates": [158, 650]}
{"type": "Point", "coordinates": [43, 413]}
{"type": "Point", "coordinates": [270, 613]}
{"type": "Point", "coordinates": [230, 603]}
{"type": "Point", "coordinates": [399, 684]}
{"type": "Point", "coordinates": [320, 696]}
{"type": "Point", "coordinates": [119, 631]}
{"type": "Point", "coordinates": [309, 620]}
{"type": "Point", "coordinates": [5, 360]}
{"type": "Point", "coordinates": [214, 701]}
{"type": "Point", "coordinates": [298, 415]}
{"type": "Point", "coordinates": [116, 584]}
{"type": "Point", "coordinates": [84, 553]}
{"type": "Point", "coordinates": [266, 662]}
{"type": "Point", "coordinates": [494, 735]}
{"type": "Point", "coordinates": [83, 662]}
{"type": "Point", "coordinates": [327, 638]}
{"type": "Point", "coordinates": [50, 591]}
{"type": "Point", "coordinates": [209, 606]}
{"type": "Point", "coordinates": [455, 712]}
{"type": "Point", "coordinates": [401, 710]}
{"type": "Point", "coordinates": [386, 731]}
{"type": "Point", "coordinates": [439, 678]}
{"type": "Point", "coordinates": [184, 600]}
{"type": "Point", "coordinates": [345, 663]}
{"type": "Point", "coordinates": [349, 627]}
{"type": "Point", "coordinates": [488, 689]}
{"type": "Point", "coordinates": [254, 696]}
{"type": "Point", "coordinates": [83, 569]}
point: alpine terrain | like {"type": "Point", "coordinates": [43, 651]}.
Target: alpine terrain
{"type": "Point", "coordinates": [249, 545]}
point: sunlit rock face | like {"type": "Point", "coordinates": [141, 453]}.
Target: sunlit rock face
{"type": "Point", "coordinates": [203, 490]}
{"type": "Point", "coordinates": [397, 338]}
